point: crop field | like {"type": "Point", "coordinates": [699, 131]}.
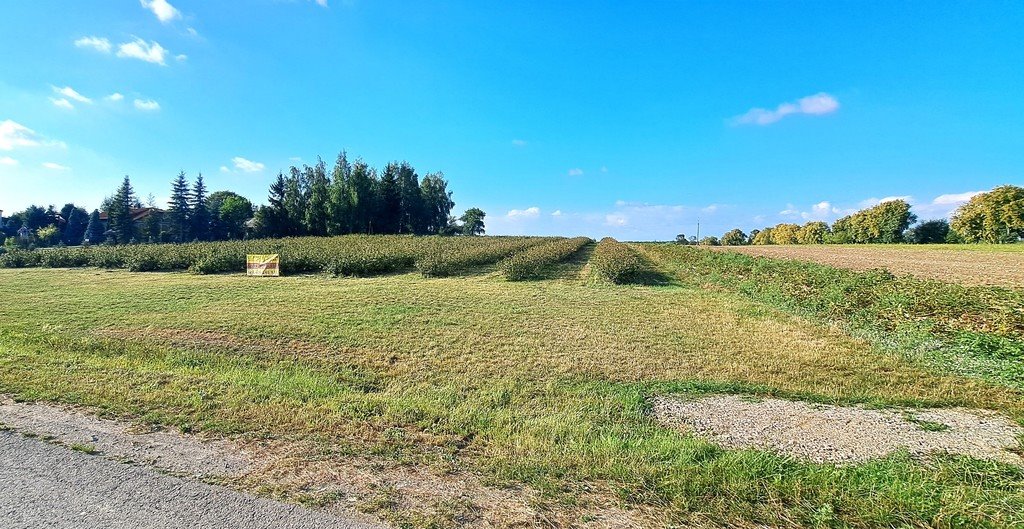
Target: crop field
{"type": "Point", "coordinates": [530, 368]}
{"type": "Point", "coordinates": [969, 264]}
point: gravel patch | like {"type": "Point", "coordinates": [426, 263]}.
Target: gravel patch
{"type": "Point", "coordinates": [843, 434]}
{"type": "Point", "coordinates": [168, 450]}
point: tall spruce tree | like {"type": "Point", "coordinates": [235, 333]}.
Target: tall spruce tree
{"type": "Point", "coordinates": [119, 217]}
{"type": "Point", "coordinates": [411, 201]}
{"type": "Point", "coordinates": [362, 197]}
{"type": "Point", "coordinates": [94, 231]}
{"type": "Point", "coordinates": [179, 210]}
{"type": "Point", "coordinates": [200, 213]}
{"type": "Point", "coordinates": [389, 206]}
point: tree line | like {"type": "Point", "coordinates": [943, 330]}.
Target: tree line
{"type": "Point", "coordinates": [996, 217]}
{"type": "Point", "coordinates": [355, 198]}
{"type": "Point", "coordinates": [352, 198]}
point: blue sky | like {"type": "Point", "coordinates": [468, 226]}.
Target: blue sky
{"type": "Point", "coordinates": [630, 119]}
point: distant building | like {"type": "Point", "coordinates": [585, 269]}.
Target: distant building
{"type": "Point", "coordinates": [139, 216]}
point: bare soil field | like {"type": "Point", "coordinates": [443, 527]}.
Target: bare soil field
{"type": "Point", "coordinates": [981, 265]}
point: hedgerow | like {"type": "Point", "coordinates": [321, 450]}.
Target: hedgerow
{"type": "Point", "coordinates": [617, 262]}
{"type": "Point", "coordinates": [530, 262]}
{"type": "Point", "coordinates": [349, 255]}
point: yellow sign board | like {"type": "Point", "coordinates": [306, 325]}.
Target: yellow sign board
{"type": "Point", "coordinates": [263, 265]}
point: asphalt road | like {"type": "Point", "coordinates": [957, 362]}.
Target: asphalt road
{"type": "Point", "coordinates": [43, 485]}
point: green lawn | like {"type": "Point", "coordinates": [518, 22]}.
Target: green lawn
{"type": "Point", "coordinates": [542, 383]}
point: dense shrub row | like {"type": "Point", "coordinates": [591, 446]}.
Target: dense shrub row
{"type": "Point", "coordinates": [344, 255]}
{"type": "Point", "coordinates": [874, 297]}
{"type": "Point", "coordinates": [617, 262]}
{"type": "Point", "coordinates": [443, 257]}
{"type": "Point", "coordinates": [530, 263]}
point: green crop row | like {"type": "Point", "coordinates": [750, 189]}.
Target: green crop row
{"type": "Point", "coordinates": [346, 255]}
{"type": "Point", "coordinates": [530, 262]}
{"type": "Point", "coordinates": [617, 262]}
{"type": "Point", "coordinates": [445, 257]}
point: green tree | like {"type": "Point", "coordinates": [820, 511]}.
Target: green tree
{"type": "Point", "coordinates": [152, 227]}
{"type": "Point", "coordinates": [993, 217]}
{"type": "Point", "coordinates": [763, 237]}
{"type": "Point", "coordinates": [362, 197]}
{"type": "Point", "coordinates": [317, 214]}
{"type": "Point", "coordinates": [120, 225]}
{"type": "Point", "coordinates": [389, 201]}
{"type": "Point", "coordinates": [200, 213]}
{"type": "Point", "coordinates": [437, 203]}
{"type": "Point", "coordinates": [339, 206]}
{"type": "Point", "coordinates": [709, 241]}
{"type": "Point", "coordinates": [814, 232]}
{"type": "Point", "coordinates": [473, 221]}
{"type": "Point", "coordinates": [734, 237]}
{"type": "Point", "coordinates": [785, 234]}
{"type": "Point", "coordinates": [179, 210]}
{"type": "Point", "coordinates": [75, 221]}
{"type": "Point", "coordinates": [272, 218]}
{"type": "Point", "coordinates": [413, 216]}
{"type": "Point", "coordinates": [94, 230]}
{"type": "Point", "coordinates": [231, 225]}
{"type": "Point", "coordinates": [294, 204]}
{"type": "Point", "coordinates": [929, 232]}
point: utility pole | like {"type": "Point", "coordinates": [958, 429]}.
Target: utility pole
{"type": "Point", "coordinates": [698, 230]}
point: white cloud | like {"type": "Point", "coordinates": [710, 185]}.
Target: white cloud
{"type": "Point", "coordinates": [873, 201]}
{"type": "Point", "coordinates": [295, 158]}
{"type": "Point", "coordinates": [62, 103]}
{"type": "Point", "coordinates": [814, 105]}
{"type": "Point", "coordinates": [14, 135]}
{"type": "Point", "coordinates": [519, 143]}
{"type": "Point", "coordinates": [163, 10]}
{"type": "Point", "coordinates": [321, 3]}
{"type": "Point", "coordinates": [139, 49]}
{"type": "Point", "coordinates": [70, 93]}
{"type": "Point", "coordinates": [147, 105]}
{"type": "Point", "coordinates": [616, 219]}
{"type": "Point", "coordinates": [192, 32]}
{"type": "Point", "coordinates": [556, 213]}
{"type": "Point", "coordinates": [99, 44]}
{"type": "Point", "coordinates": [955, 198]}
{"type": "Point", "coordinates": [55, 166]}
{"type": "Point", "coordinates": [181, 57]}
{"type": "Point", "coordinates": [116, 96]}
{"type": "Point", "coordinates": [524, 214]}
{"type": "Point", "coordinates": [576, 172]}
{"type": "Point", "coordinates": [247, 166]}
{"type": "Point", "coordinates": [224, 169]}
{"type": "Point", "coordinates": [8, 161]}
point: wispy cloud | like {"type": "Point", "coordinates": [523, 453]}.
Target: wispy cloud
{"type": "Point", "coordinates": [181, 57]}
{"type": "Point", "coordinates": [815, 105]}
{"type": "Point", "coordinates": [151, 52]}
{"type": "Point", "coordinates": [519, 143]}
{"type": "Point", "coordinates": [147, 105]}
{"type": "Point", "coordinates": [71, 93]}
{"type": "Point", "coordinates": [955, 198]}
{"type": "Point", "coordinates": [116, 96]}
{"type": "Point", "coordinates": [576, 171]}
{"type": "Point", "coordinates": [321, 3]}
{"type": "Point", "coordinates": [99, 44]}
{"type": "Point", "coordinates": [14, 135]}
{"type": "Point", "coordinates": [62, 103]}
{"type": "Point", "coordinates": [247, 166]}
{"type": "Point", "coordinates": [55, 166]}
{"type": "Point", "coordinates": [8, 161]}
{"type": "Point", "coordinates": [163, 10]}
{"type": "Point", "coordinates": [524, 214]}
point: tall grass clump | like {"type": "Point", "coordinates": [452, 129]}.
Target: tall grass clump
{"type": "Point", "coordinates": [617, 262]}
{"type": "Point", "coordinates": [531, 262]}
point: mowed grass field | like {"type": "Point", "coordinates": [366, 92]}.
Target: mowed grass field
{"type": "Point", "coordinates": [969, 264]}
{"type": "Point", "coordinates": [542, 385]}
